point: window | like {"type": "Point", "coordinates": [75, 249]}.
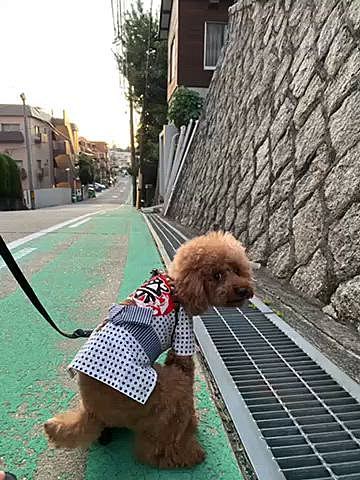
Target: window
{"type": "Point", "coordinates": [37, 130]}
{"type": "Point", "coordinates": [172, 61]}
{"type": "Point", "coordinates": [215, 37]}
{"type": "Point", "coordinates": [10, 127]}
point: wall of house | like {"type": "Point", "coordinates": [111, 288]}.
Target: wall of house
{"type": "Point", "coordinates": [278, 147]}
{"type": "Point", "coordinates": [41, 152]}
{"type": "Point", "coordinates": [192, 18]}
{"type": "Point", "coordinates": [173, 37]}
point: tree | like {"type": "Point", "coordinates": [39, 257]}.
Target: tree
{"type": "Point", "coordinates": [86, 169]}
{"type": "Point", "coordinates": [142, 60]}
{"type": "Point", "coordinates": [10, 183]}
{"type": "Point", "coordinates": [185, 105]}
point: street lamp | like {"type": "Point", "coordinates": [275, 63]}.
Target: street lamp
{"type": "Point", "coordinates": [28, 154]}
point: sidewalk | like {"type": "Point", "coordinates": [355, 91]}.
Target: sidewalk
{"type": "Point", "coordinates": [76, 271]}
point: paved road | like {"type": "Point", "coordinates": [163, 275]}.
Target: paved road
{"type": "Point", "coordinates": [15, 225]}
{"type": "Point", "coordinates": [77, 270]}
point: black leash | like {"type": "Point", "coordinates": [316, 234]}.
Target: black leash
{"type": "Point", "coordinates": [29, 292]}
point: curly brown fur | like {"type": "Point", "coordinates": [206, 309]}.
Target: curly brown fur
{"type": "Point", "coordinates": [208, 270]}
{"type": "Point", "coordinates": [164, 427]}
{"type": "Point", "coordinates": [211, 270]}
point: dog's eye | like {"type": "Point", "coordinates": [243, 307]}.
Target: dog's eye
{"type": "Point", "coordinates": [217, 276]}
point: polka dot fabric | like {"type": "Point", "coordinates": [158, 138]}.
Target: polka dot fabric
{"type": "Point", "coordinates": [113, 356]}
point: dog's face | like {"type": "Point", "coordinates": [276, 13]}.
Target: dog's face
{"type": "Point", "coordinates": [211, 270]}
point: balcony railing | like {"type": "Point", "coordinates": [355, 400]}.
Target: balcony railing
{"type": "Point", "coordinates": [11, 137]}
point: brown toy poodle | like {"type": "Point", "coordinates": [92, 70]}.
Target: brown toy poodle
{"type": "Point", "coordinates": [120, 386]}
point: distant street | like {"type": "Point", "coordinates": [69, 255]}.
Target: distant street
{"type": "Point", "coordinates": [17, 224]}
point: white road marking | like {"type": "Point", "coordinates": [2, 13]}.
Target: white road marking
{"type": "Point", "coordinates": [41, 233]}
{"type": "Point", "coordinates": [18, 255]}
{"type": "Point", "coordinates": [115, 196]}
{"type": "Point", "coordinates": [80, 223]}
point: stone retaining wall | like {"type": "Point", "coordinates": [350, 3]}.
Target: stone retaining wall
{"type": "Point", "coordinates": [277, 156]}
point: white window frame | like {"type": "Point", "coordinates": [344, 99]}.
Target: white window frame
{"type": "Point", "coordinates": [207, 67]}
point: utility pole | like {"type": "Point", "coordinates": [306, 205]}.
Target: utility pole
{"type": "Point", "coordinates": [28, 154]}
{"type": "Point", "coordinates": [142, 118]}
{"type": "Point", "coordinates": [132, 144]}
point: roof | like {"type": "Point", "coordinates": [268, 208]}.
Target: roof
{"type": "Point", "coordinates": [165, 14]}
{"type": "Point", "coordinates": [12, 110]}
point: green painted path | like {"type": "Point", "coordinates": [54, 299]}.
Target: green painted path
{"type": "Point", "coordinates": [77, 273]}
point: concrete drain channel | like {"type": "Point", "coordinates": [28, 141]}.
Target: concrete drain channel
{"type": "Point", "coordinates": [296, 413]}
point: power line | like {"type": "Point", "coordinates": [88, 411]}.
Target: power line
{"type": "Point", "coordinates": [113, 17]}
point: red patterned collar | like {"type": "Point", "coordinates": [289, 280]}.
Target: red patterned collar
{"type": "Point", "coordinates": [157, 294]}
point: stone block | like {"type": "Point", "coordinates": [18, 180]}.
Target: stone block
{"type": "Point", "coordinates": [257, 220]}
{"type": "Point", "coordinates": [278, 17]}
{"type": "Point", "coordinates": [343, 181]}
{"type": "Point", "coordinates": [344, 243]}
{"type": "Point", "coordinates": [309, 137]}
{"type": "Point", "coordinates": [262, 156]}
{"type": "Point", "coordinates": [339, 50]}
{"type": "Point", "coordinates": [346, 79]}
{"type": "Point", "coordinates": [281, 40]}
{"type": "Point", "coordinates": [280, 262]}
{"type": "Point", "coordinates": [346, 301]}
{"type": "Point", "coordinates": [323, 11]}
{"type": "Point", "coordinates": [308, 101]}
{"type": "Point", "coordinates": [307, 184]}
{"type": "Point", "coordinates": [303, 75]}
{"type": "Point", "coordinates": [311, 279]}
{"type": "Point", "coordinates": [261, 185]}
{"type": "Point", "coordinates": [257, 250]}
{"type": "Point", "coordinates": [308, 228]}
{"type": "Point", "coordinates": [281, 71]}
{"type": "Point", "coordinates": [354, 14]}
{"type": "Point", "coordinates": [281, 93]}
{"type": "Point", "coordinates": [241, 219]}
{"type": "Point", "coordinates": [303, 28]}
{"type": "Point", "coordinates": [263, 129]}
{"type": "Point", "coordinates": [296, 14]}
{"type": "Point", "coordinates": [301, 52]}
{"type": "Point", "coordinates": [330, 27]}
{"type": "Point", "coordinates": [345, 124]}
{"type": "Point", "coordinates": [281, 121]}
{"type": "Point", "coordinates": [230, 215]}
{"type": "Point", "coordinates": [282, 187]}
{"type": "Point", "coordinates": [279, 226]}
{"type": "Point", "coordinates": [282, 153]}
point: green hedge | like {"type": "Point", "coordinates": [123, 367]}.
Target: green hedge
{"type": "Point", "coordinates": [10, 183]}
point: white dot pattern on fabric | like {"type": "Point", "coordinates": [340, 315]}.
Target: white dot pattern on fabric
{"type": "Point", "coordinates": [113, 356]}
{"type": "Point", "coordinates": [184, 342]}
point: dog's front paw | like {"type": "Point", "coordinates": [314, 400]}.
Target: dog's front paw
{"type": "Point", "coordinates": [52, 428]}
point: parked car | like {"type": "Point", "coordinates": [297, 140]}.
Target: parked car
{"type": "Point", "coordinates": [98, 187]}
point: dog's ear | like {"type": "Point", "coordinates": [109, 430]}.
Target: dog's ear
{"type": "Point", "coordinates": [191, 290]}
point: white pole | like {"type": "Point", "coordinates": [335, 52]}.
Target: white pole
{"type": "Point", "coordinates": [28, 154]}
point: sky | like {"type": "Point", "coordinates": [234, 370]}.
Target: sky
{"type": "Point", "coordinates": [59, 55]}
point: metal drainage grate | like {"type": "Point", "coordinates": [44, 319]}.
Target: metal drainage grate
{"type": "Point", "coordinates": [295, 420]}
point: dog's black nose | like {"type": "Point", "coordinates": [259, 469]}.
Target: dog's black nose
{"type": "Point", "coordinates": [242, 292]}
